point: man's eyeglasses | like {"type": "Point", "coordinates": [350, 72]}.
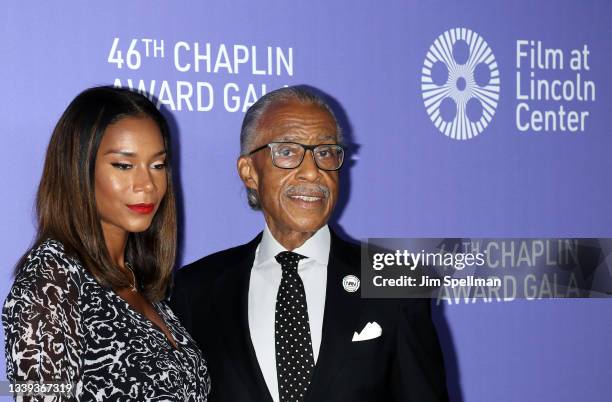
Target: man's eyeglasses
{"type": "Point", "coordinates": [289, 155]}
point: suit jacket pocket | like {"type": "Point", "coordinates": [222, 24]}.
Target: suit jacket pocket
{"type": "Point", "coordinates": [365, 349]}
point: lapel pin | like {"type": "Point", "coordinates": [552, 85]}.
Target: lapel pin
{"type": "Point", "coordinates": [350, 283]}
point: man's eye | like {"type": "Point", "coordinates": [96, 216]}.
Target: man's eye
{"type": "Point", "coordinates": [327, 152]}
{"type": "Point", "coordinates": [122, 166]}
{"type": "Point", "coordinates": [284, 152]}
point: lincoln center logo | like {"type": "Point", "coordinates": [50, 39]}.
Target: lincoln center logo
{"type": "Point", "coordinates": [460, 84]}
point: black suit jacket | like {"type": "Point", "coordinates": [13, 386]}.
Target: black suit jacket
{"type": "Point", "coordinates": [210, 296]}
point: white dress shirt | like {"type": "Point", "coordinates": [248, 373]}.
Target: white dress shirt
{"type": "Point", "coordinates": [263, 287]}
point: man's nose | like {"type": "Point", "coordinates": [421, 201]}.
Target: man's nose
{"type": "Point", "coordinates": [309, 170]}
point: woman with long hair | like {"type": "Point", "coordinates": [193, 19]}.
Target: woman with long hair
{"type": "Point", "coordinates": [87, 310]}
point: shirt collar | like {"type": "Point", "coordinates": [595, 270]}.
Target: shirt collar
{"type": "Point", "coordinates": [316, 247]}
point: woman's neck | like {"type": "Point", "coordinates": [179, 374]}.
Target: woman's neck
{"type": "Point", "coordinates": [116, 240]}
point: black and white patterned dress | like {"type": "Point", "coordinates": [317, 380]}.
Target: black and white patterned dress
{"type": "Point", "coordinates": [61, 325]}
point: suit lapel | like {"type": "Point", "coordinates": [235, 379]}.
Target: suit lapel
{"type": "Point", "coordinates": [231, 304]}
{"type": "Point", "coordinates": [341, 308]}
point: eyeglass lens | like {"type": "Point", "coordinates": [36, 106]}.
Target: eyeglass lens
{"type": "Point", "coordinates": [289, 156]}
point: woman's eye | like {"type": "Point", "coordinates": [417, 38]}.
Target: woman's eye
{"type": "Point", "coordinates": [122, 166]}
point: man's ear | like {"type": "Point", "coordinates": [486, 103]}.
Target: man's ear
{"type": "Point", "coordinates": [247, 172]}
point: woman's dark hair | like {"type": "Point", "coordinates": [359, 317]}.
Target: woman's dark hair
{"type": "Point", "coordinates": [66, 205]}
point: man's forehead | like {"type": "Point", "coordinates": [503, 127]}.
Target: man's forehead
{"type": "Point", "coordinates": [295, 121]}
{"type": "Point", "coordinates": [323, 137]}
{"type": "Point", "coordinates": [295, 115]}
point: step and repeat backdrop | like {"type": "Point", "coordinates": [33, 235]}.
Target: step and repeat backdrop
{"type": "Point", "coordinates": [465, 119]}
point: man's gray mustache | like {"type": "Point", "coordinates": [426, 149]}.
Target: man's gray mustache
{"type": "Point", "coordinates": [308, 190]}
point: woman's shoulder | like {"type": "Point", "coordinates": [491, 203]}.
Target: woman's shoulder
{"type": "Point", "coordinates": [49, 263]}
{"type": "Point", "coordinates": [53, 253]}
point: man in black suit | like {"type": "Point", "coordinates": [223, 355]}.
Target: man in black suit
{"type": "Point", "coordinates": [279, 318]}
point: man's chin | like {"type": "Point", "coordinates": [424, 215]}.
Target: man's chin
{"type": "Point", "coordinates": [306, 225]}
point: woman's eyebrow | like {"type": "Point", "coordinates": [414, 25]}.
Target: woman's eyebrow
{"type": "Point", "coordinates": [130, 153]}
{"type": "Point", "coordinates": [120, 152]}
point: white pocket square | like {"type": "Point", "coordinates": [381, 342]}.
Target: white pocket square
{"type": "Point", "coordinates": [370, 331]}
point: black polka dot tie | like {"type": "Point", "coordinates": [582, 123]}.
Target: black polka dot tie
{"type": "Point", "coordinates": [294, 359]}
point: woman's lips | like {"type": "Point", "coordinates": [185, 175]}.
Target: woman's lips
{"type": "Point", "coordinates": [142, 208]}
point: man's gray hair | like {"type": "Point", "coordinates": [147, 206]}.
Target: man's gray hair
{"type": "Point", "coordinates": [248, 133]}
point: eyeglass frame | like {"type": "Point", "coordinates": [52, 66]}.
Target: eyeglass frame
{"type": "Point", "coordinates": [310, 148]}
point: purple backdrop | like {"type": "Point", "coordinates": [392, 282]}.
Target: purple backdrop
{"type": "Point", "coordinates": [406, 178]}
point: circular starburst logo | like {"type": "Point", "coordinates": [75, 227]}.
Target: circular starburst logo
{"type": "Point", "coordinates": [460, 84]}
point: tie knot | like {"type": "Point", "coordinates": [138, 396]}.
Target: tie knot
{"type": "Point", "coordinates": [289, 260]}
